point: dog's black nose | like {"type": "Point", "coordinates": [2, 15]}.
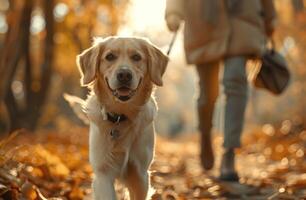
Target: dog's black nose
{"type": "Point", "coordinates": [124, 76]}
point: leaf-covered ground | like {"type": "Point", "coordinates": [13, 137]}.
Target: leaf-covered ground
{"type": "Point", "coordinates": [54, 165]}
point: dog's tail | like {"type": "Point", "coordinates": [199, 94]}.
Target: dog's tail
{"type": "Point", "coordinates": [77, 105]}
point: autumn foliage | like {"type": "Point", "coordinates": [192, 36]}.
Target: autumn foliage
{"type": "Point", "coordinates": [55, 165]}
{"type": "Point", "coordinates": [46, 154]}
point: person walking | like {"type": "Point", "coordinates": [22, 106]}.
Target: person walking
{"type": "Point", "coordinates": [228, 32]}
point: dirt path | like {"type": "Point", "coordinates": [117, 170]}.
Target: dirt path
{"type": "Point", "coordinates": [179, 175]}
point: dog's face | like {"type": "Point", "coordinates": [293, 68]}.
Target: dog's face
{"type": "Point", "coordinates": [122, 64]}
{"type": "Point", "coordinates": [123, 67]}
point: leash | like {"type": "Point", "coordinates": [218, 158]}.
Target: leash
{"type": "Point", "coordinates": [171, 43]}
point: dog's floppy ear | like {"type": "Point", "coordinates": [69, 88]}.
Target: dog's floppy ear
{"type": "Point", "coordinates": [157, 63]}
{"type": "Point", "coordinates": [88, 63]}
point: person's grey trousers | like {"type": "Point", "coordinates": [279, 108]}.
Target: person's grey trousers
{"type": "Point", "coordinates": [235, 89]}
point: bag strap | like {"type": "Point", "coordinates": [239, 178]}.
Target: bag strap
{"type": "Point", "coordinates": [257, 63]}
{"type": "Point", "coordinates": [271, 41]}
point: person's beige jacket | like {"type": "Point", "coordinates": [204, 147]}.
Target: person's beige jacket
{"type": "Point", "coordinates": [212, 32]}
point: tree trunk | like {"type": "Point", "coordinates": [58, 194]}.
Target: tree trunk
{"type": "Point", "coordinates": [298, 5]}
{"type": "Point", "coordinates": [15, 44]}
{"type": "Point", "coordinates": [11, 51]}
{"type": "Point", "coordinates": [37, 98]}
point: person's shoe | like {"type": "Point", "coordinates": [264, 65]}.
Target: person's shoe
{"type": "Point", "coordinates": [227, 169]}
{"type": "Point", "coordinates": [207, 156]}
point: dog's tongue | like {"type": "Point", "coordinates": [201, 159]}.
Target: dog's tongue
{"type": "Point", "coordinates": [124, 91]}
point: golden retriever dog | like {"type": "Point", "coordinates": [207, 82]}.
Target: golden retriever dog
{"type": "Point", "coordinates": [121, 73]}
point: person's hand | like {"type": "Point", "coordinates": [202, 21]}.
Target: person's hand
{"type": "Point", "coordinates": [173, 22]}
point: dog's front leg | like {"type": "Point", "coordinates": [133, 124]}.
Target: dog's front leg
{"type": "Point", "coordinates": [137, 176]}
{"type": "Point", "coordinates": [103, 183]}
{"type": "Point", "coordinates": [103, 187]}
{"type": "Point", "coordinates": [138, 183]}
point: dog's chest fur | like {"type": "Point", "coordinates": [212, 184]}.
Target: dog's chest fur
{"type": "Point", "coordinates": [107, 152]}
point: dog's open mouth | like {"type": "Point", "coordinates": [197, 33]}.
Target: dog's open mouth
{"type": "Point", "coordinates": [123, 93]}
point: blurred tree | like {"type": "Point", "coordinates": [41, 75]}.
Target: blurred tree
{"type": "Point", "coordinates": [16, 54]}
{"type": "Point", "coordinates": [40, 44]}
{"type": "Point", "coordinates": [298, 5]}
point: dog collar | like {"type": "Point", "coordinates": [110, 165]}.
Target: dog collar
{"type": "Point", "coordinates": [115, 118]}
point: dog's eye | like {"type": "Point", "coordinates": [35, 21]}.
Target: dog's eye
{"type": "Point", "coordinates": [136, 57]}
{"type": "Point", "coordinates": [110, 57]}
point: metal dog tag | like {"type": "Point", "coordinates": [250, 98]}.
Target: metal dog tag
{"type": "Point", "coordinates": [115, 133]}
